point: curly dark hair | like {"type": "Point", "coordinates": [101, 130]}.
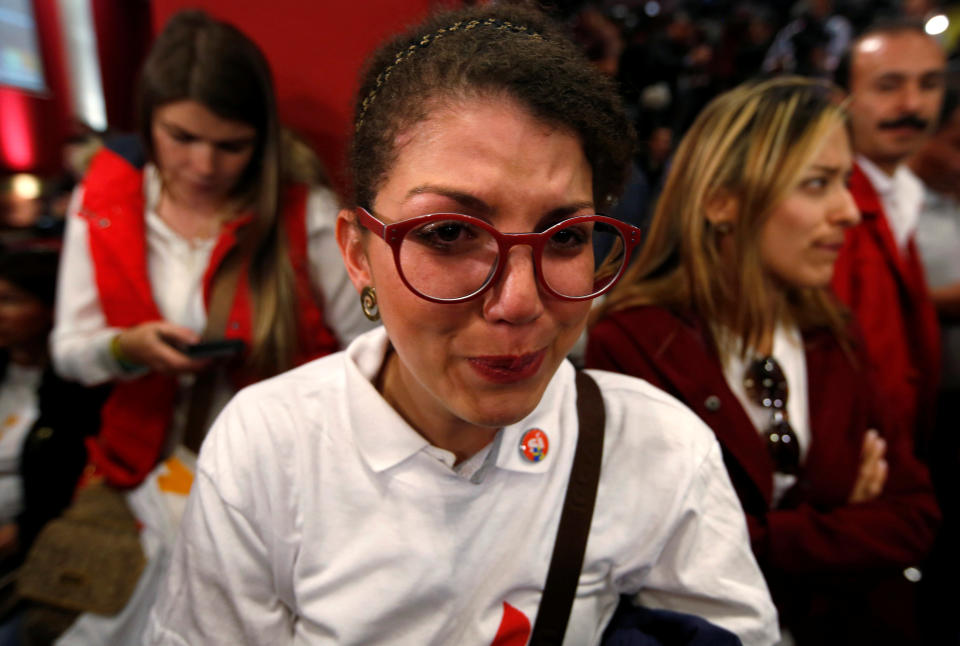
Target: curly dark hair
{"type": "Point", "coordinates": [488, 50]}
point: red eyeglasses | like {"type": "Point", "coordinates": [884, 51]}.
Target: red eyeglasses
{"type": "Point", "coordinates": [451, 258]}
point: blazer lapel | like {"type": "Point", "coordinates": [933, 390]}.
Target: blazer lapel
{"type": "Point", "coordinates": [698, 378]}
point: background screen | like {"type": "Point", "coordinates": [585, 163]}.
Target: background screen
{"type": "Point", "coordinates": [20, 63]}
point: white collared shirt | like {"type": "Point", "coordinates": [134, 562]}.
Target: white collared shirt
{"type": "Point", "coordinates": [901, 195]}
{"type": "Point", "coordinates": [318, 515]}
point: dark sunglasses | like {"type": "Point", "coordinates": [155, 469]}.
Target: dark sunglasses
{"type": "Point", "coordinates": [767, 386]}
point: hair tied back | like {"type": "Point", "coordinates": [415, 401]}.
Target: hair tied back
{"type": "Point", "coordinates": [425, 41]}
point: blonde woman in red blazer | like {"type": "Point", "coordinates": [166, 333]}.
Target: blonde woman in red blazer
{"type": "Point", "coordinates": [728, 309]}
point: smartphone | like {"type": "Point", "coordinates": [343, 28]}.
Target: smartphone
{"type": "Point", "coordinates": [214, 349]}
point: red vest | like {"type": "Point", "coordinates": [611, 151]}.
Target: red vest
{"type": "Point", "coordinates": [137, 414]}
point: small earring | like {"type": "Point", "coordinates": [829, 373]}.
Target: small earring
{"type": "Point", "coordinates": [368, 303]}
{"type": "Point", "coordinates": [723, 228]}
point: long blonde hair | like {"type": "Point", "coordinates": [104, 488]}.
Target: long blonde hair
{"type": "Point", "coordinates": [750, 143]}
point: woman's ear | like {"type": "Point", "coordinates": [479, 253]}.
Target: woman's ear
{"type": "Point", "coordinates": [350, 241]}
{"type": "Point", "coordinates": [721, 209]}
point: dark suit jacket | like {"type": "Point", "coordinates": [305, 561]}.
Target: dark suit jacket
{"type": "Point", "coordinates": [815, 549]}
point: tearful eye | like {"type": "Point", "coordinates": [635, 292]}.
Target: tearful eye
{"type": "Point", "coordinates": [449, 231]}
{"type": "Point", "coordinates": [569, 238]}
{"type": "Point", "coordinates": [449, 235]}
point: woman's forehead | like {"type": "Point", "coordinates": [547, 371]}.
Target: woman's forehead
{"type": "Point", "coordinates": [491, 152]}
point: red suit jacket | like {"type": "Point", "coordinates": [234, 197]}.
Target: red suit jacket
{"type": "Point", "coordinates": [887, 291]}
{"type": "Point", "coordinates": [818, 552]}
{"type": "Point", "coordinates": [137, 414]}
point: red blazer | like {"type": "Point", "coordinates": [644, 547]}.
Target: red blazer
{"type": "Point", "coordinates": [887, 291]}
{"type": "Point", "coordinates": [815, 541]}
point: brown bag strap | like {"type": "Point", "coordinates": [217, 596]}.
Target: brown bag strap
{"type": "Point", "coordinates": [571, 541]}
{"type": "Point", "coordinates": [222, 293]}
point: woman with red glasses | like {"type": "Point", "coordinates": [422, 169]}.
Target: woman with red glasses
{"type": "Point", "coordinates": [409, 489]}
{"type": "Point", "coordinates": [728, 309]}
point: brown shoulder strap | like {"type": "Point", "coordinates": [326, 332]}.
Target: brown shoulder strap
{"type": "Point", "coordinates": [222, 292]}
{"type": "Point", "coordinates": [571, 541]}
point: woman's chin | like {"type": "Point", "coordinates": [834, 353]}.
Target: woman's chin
{"type": "Point", "coordinates": [497, 411]}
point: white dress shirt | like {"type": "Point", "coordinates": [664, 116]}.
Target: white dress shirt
{"type": "Point", "coordinates": [901, 195]}
{"type": "Point", "coordinates": [319, 516]}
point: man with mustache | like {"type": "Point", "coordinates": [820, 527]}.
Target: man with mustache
{"type": "Point", "coordinates": [895, 74]}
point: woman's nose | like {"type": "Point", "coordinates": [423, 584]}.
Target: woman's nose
{"type": "Point", "coordinates": [203, 157]}
{"type": "Point", "coordinates": [846, 212]}
{"type": "Point", "coordinates": [516, 296]}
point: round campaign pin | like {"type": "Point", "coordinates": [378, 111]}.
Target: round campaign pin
{"type": "Point", "coordinates": [534, 445]}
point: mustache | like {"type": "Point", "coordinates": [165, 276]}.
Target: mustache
{"type": "Point", "coordinates": [906, 121]}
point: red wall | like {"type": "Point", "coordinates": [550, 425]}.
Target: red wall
{"type": "Point", "coordinates": [123, 37]}
{"type": "Point", "coordinates": [316, 50]}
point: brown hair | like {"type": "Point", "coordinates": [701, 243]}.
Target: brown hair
{"type": "Point", "coordinates": [751, 143]}
{"type": "Point", "coordinates": [507, 50]}
{"type": "Point", "coordinates": [205, 60]}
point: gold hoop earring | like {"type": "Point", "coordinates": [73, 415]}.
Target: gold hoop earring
{"type": "Point", "coordinates": [368, 303]}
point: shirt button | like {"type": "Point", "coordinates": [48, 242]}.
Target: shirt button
{"type": "Point", "coordinates": [103, 223]}
{"type": "Point", "coordinates": [912, 574]}
{"type": "Point", "coordinates": [712, 403]}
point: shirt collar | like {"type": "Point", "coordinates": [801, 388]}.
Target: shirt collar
{"type": "Point", "coordinates": [385, 439]}
{"type": "Point", "coordinates": [901, 195]}
{"type": "Point", "coordinates": [882, 183]}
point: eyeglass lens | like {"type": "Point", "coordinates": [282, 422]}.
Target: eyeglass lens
{"type": "Point", "coordinates": [450, 259]}
{"type": "Point", "coordinates": [767, 386]}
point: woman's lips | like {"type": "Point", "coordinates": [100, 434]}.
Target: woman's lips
{"type": "Point", "coordinates": [505, 369]}
{"type": "Point", "coordinates": [832, 246]}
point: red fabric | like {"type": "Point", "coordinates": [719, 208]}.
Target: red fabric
{"type": "Point", "coordinates": [137, 414]}
{"type": "Point", "coordinates": [815, 538]}
{"type": "Point", "coordinates": [514, 628]}
{"type": "Point", "coordinates": [887, 293]}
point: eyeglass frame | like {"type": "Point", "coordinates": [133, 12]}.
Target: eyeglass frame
{"type": "Point", "coordinates": [394, 233]}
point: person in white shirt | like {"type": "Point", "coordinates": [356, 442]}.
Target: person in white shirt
{"type": "Point", "coordinates": [895, 74]}
{"type": "Point", "coordinates": [157, 227]}
{"type": "Point", "coordinates": [408, 490]}
{"type": "Point", "coordinates": [43, 419]}
{"type": "Point", "coordinates": [196, 232]}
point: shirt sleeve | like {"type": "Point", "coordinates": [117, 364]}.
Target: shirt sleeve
{"type": "Point", "coordinates": [706, 568]}
{"type": "Point", "coordinates": [341, 303]}
{"type": "Point", "coordinates": [80, 341]}
{"type": "Point", "coordinates": [222, 584]}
